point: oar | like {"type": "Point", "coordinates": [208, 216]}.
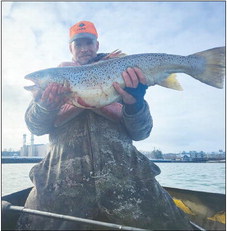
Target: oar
{"type": "Point", "coordinates": [8, 206]}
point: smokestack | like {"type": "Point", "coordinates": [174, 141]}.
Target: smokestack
{"type": "Point", "coordinates": [32, 144]}
{"type": "Point", "coordinates": [24, 139]}
{"type": "Point", "coordinates": [32, 139]}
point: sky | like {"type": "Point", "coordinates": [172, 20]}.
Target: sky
{"type": "Point", "coordinates": [35, 36]}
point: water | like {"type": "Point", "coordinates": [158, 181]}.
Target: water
{"type": "Point", "coordinates": [15, 177]}
{"type": "Point", "coordinates": [208, 177]}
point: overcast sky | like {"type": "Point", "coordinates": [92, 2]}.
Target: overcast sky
{"type": "Point", "coordinates": [35, 36]}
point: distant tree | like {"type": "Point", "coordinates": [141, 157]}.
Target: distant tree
{"type": "Point", "coordinates": [202, 154]}
{"type": "Point", "coordinates": [149, 155]}
{"type": "Point", "coordinates": [157, 154]}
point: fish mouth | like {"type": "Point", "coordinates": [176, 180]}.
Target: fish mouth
{"type": "Point", "coordinates": [34, 87]}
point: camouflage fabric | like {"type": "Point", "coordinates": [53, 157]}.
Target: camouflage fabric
{"type": "Point", "coordinates": [93, 171]}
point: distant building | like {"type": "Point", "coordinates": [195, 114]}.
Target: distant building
{"type": "Point", "coordinates": [171, 156]}
{"type": "Point", "coordinates": [217, 156]}
{"type": "Point", "coordinates": [39, 150]}
{"type": "Point", "coordinates": [190, 156]}
{"type": "Point", "coordinates": [33, 150]}
{"type": "Point", "coordinates": [186, 158]}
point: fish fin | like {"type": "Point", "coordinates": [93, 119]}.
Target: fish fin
{"type": "Point", "coordinates": [171, 82]}
{"type": "Point", "coordinates": [115, 54]}
{"type": "Point", "coordinates": [214, 72]}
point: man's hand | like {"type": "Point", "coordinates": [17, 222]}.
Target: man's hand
{"type": "Point", "coordinates": [53, 97]}
{"type": "Point", "coordinates": [132, 78]}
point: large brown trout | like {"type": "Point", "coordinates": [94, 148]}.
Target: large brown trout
{"type": "Point", "coordinates": [92, 87]}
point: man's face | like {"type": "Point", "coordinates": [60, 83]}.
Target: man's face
{"type": "Point", "coordinates": [84, 50]}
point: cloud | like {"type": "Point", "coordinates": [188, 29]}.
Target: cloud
{"type": "Point", "coordinates": [35, 36]}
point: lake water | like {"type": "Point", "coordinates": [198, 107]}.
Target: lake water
{"type": "Point", "coordinates": [208, 177]}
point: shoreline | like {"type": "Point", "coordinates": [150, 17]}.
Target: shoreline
{"type": "Point", "coordinates": [15, 160]}
{"type": "Point", "coordinates": [183, 161]}
{"type": "Point", "coordinates": [20, 160]}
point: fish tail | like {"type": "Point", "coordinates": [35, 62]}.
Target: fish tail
{"type": "Point", "coordinates": [214, 71]}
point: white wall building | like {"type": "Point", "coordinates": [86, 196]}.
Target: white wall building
{"type": "Point", "coordinates": [33, 150]}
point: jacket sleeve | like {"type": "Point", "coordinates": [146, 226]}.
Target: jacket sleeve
{"type": "Point", "coordinates": [138, 125]}
{"type": "Point", "coordinates": [39, 120]}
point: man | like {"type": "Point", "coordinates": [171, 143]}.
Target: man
{"type": "Point", "coordinates": [92, 170]}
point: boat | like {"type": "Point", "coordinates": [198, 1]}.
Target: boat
{"type": "Point", "coordinates": [205, 210]}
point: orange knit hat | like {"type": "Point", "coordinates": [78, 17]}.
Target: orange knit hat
{"type": "Point", "coordinates": [83, 29]}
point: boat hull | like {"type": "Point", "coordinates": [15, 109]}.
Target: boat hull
{"type": "Point", "coordinates": [207, 210]}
